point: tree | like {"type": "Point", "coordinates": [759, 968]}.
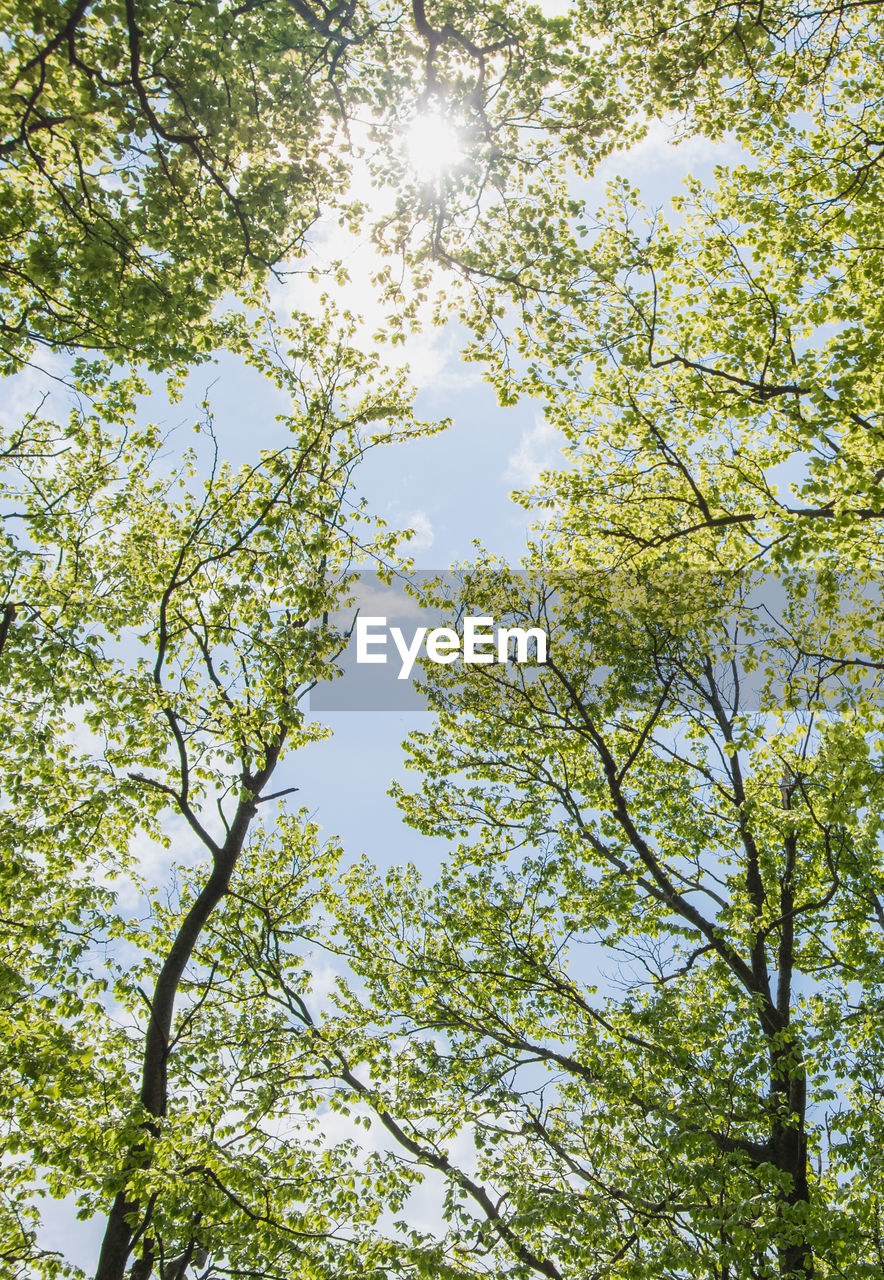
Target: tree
{"type": "Point", "coordinates": [647, 983]}
{"type": "Point", "coordinates": [646, 988]}
{"type": "Point", "coordinates": [162, 625]}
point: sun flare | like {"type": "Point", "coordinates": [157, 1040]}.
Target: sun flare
{"type": "Point", "coordinates": [432, 145]}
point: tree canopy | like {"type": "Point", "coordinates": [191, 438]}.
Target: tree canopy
{"type": "Point", "coordinates": [157, 159]}
{"type": "Point", "coordinates": [632, 1028]}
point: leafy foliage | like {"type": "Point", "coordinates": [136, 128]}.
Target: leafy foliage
{"type": "Point", "coordinates": [633, 1029]}
{"type": "Point", "coordinates": [162, 626]}
{"type": "Point", "coordinates": [640, 1002]}
{"type": "Point", "coordinates": [157, 158]}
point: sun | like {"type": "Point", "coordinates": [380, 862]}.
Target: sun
{"type": "Point", "coordinates": [432, 145]}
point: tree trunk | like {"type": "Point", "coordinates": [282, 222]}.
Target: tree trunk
{"type": "Point", "coordinates": [154, 1096]}
{"type": "Point", "coordinates": [789, 1143]}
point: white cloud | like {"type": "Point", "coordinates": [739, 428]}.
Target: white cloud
{"type": "Point", "coordinates": [425, 352]}
{"type": "Point", "coordinates": [378, 599]}
{"type": "Point", "coordinates": [424, 536]}
{"type": "Point", "coordinates": [660, 151]}
{"type": "Point", "coordinates": [538, 450]}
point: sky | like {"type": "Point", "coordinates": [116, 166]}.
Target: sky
{"type": "Point", "coordinates": [452, 488]}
